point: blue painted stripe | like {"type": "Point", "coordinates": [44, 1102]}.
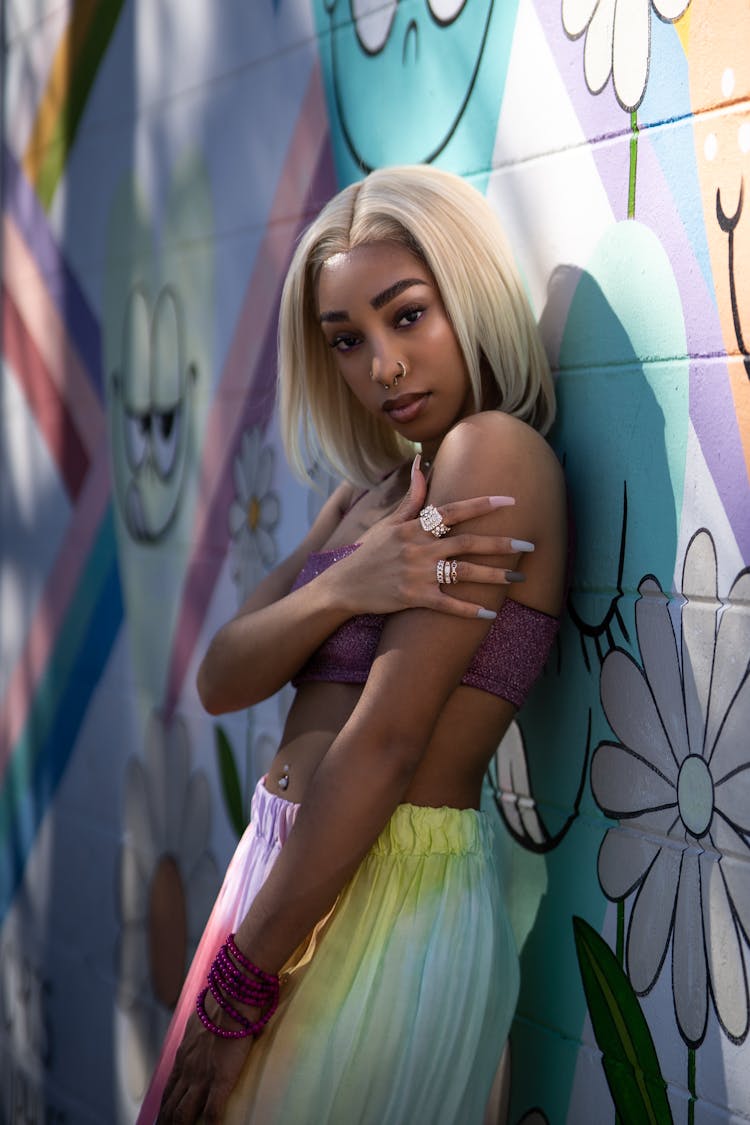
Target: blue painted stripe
{"type": "Point", "coordinates": [41, 755]}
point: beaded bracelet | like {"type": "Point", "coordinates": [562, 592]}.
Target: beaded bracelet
{"type": "Point", "coordinates": [233, 977]}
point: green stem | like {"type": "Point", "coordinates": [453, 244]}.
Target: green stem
{"type": "Point", "coordinates": [633, 163]}
{"type": "Point", "coordinates": [691, 1085]}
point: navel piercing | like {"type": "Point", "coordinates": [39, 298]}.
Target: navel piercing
{"type": "Point", "coordinates": [284, 779]}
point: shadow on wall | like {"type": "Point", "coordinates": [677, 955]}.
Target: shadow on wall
{"type": "Point", "coordinates": [621, 431]}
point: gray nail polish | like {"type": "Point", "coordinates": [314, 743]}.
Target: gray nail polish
{"type": "Point", "coordinates": [514, 576]}
{"type": "Point", "coordinates": [486, 614]}
{"type": "Point", "coordinates": [521, 545]}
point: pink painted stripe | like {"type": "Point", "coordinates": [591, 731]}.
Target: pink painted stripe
{"type": "Point", "coordinates": [44, 399]}
{"type": "Point", "coordinates": [44, 324]}
{"type": "Point", "coordinates": [59, 589]}
{"type": "Point", "coordinates": [245, 392]}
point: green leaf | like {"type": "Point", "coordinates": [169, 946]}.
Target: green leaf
{"type": "Point", "coordinates": [629, 1057]}
{"type": "Point", "coordinates": [230, 781]}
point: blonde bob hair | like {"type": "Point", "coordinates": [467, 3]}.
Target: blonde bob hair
{"type": "Point", "coordinates": [451, 228]}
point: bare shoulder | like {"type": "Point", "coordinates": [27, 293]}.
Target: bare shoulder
{"type": "Point", "coordinates": [495, 447]}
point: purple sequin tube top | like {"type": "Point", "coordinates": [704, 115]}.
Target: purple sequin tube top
{"type": "Point", "coordinates": [506, 663]}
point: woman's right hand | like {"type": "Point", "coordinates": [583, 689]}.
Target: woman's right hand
{"type": "Point", "coordinates": [395, 565]}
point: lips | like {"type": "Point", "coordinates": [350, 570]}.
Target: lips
{"type": "Point", "coordinates": [405, 408]}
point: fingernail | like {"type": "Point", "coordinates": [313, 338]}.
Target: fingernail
{"type": "Point", "coordinates": [501, 501]}
{"type": "Point", "coordinates": [514, 576]}
{"type": "Point", "coordinates": [486, 614]}
{"type": "Point", "coordinates": [521, 545]}
{"type": "Point", "coordinates": [415, 464]}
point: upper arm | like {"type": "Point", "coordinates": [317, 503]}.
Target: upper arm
{"type": "Point", "coordinates": [423, 655]}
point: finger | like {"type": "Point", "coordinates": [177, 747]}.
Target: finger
{"type": "Point", "coordinates": [465, 543]}
{"type": "Point", "coordinates": [456, 511]}
{"type": "Point", "coordinates": [447, 603]}
{"type": "Point", "coordinates": [415, 496]}
{"type": "Point", "coordinates": [490, 575]}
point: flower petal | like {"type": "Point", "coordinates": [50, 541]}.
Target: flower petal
{"type": "Point", "coordinates": [196, 822]}
{"type": "Point", "coordinates": [735, 869]}
{"type": "Point", "coordinates": [176, 764]}
{"type": "Point", "coordinates": [624, 858]}
{"type": "Point", "coordinates": [689, 971]}
{"type": "Point", "coordinates": [730, 658]}
{"type": "Point", "coordinates": [576, 15]}
{"type": "Point", "coordinates": [134, 964]}
{"type": "Point", "coordinates": [624, 785]}
{"type": "Point", "coordinates": [241, 483]}
{"type": "Point", "coordinates": [651, 919]}
{"type": "Point", "coordinates": [200, 894]}
{"type": "Point", "coordinates": [597, 52]}
{"type": "Point", "coordinates": [266, 545]}
{"type": "Point", "coordinates": [658, 646]}
{"type": "Point", "coordinates": [270, 510]}
{"type": "Point", "coordinates": [264, 473]}
{"type": "Point", "coordinates": [698, 633]}
{"type": "Point", "coordinates": [138, 818]}
{"type": "Point", "coordinates": [134, 886]}
{"type": "Point", "coordinates": [631, 712]}
{"type": "Point", "coordinates": [237, 519]}
{"type": "Point", "coordinates": [631, 47]}
{"type": "Point", "coordinates": [670, 9]}
{"type": "Point", "coordinates": [726, 967]}
{"type": "Point", "coordinates": [732, 798]}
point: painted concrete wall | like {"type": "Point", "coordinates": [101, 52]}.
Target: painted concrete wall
{"type": "Point", "coordinates": [158, 161]}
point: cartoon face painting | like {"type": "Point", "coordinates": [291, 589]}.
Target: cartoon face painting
{"type": "Point", "coordinates": [406, 78]}
{"type": "Point", "coordinates": [151, 395]}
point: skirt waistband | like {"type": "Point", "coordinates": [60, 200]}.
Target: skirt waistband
{"type": "Point", "coordinates": [411, 830]}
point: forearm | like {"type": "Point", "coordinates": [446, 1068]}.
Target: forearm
{"type": "Point", "coordinates": [258, 651]}
{"type": "Point", "coordinates": [351, 798]}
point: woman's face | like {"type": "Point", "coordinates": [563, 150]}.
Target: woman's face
{"type": "Point", "coordinates": [379, 306]}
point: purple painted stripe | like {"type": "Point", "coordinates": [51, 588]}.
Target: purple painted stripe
{"type": "Point", "coordinates": [22, 204]}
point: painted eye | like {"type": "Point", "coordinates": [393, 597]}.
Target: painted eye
{"type": "Point", "coordinates": [137, 431]}
{"type": "Point", "coordinates": [446, 11]}
{"type": "Point", "coordinates": [373, 19]}
{"type": "Point", "coordinates": [165, 438]}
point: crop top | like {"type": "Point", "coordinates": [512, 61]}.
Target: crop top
{"type": "Point", "coordinates": [506, 663]}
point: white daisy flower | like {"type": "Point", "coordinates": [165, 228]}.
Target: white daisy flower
{"type": "Point", "coordinates": [168, 882]}
{"type": "Point", "coordinates": [618, 41]}
{"type": "Point", "coordinates": [254, 513]}
{"type": "Point", "coordinates": [678, 781]}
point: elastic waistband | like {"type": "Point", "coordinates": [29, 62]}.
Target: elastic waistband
{"type": "Point", "coordinates": [412, 830]}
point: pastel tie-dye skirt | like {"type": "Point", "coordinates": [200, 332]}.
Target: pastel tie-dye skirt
{"type": "Point", "coordinates": [397, 1007]}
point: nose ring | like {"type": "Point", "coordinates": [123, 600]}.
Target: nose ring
{"type": "Point", "coordinates": [396, 377]}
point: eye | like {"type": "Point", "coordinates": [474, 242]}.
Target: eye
{"type": "Point", "coordinates": [344, 343]}
{"type": "Point", "coordinates": [445, 11]}
{"type": "Point", "coordinates": [137, 430]}
{"type": "Point", "coordinates": [409, 316]}
{"type": "Point", "coordinates": [165, 438]}
{"type": "Point", "coordinates": [373, 19]}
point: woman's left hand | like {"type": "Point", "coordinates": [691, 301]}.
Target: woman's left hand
{"type": "Point", "coordinates": [205, 1072]}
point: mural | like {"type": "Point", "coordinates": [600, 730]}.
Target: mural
{"type": "Point", "coordinates": [157, 167]}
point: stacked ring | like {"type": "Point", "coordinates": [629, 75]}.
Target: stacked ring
{"type": "Point", "coordinates": [446, 572]}
{"type": "Point", "coordinates": [432, 521]}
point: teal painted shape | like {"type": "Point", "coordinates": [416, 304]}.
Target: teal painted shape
{"type": "Point", "coordinates": [623, 419]}
{"type": "Point", "coordinates": [623, 394]}
{"type": "Point", "coordinates": [405, 88]}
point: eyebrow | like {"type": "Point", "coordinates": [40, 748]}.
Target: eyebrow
{"type": "Point", "coordinates": [377, 302]}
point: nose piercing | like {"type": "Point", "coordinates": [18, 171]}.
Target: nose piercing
{"type": "Point", "coordinates": [403, 372]}
{"type": "Point", "coordinates": [399, 375]}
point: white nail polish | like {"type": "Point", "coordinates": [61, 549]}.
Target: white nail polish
{"type": "Point", "coordinates": [521, 545]}
{"type": "Point", "coordinates": [501, 501]}
{"type": "Point", "coordinates": [486, 614]}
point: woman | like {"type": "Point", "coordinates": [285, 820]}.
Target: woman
{"type": "Point", "coordinates": [413, 619]}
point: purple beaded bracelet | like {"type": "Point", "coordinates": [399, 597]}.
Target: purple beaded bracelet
{"type": "Point", "coordinates": [233, 975]}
